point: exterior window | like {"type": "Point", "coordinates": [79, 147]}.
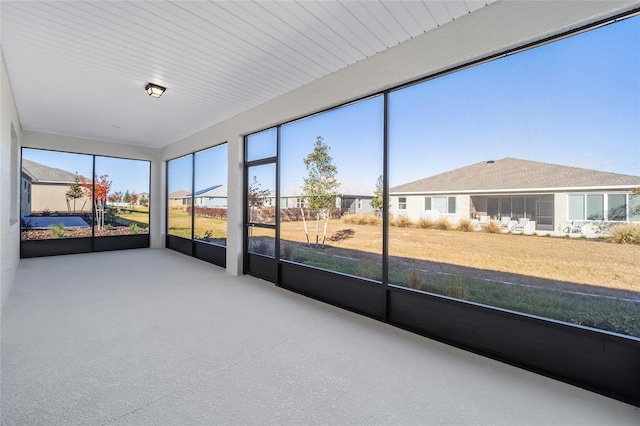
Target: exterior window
{"type": "Point", "coordinates": [402, 203]}
{"type": "Point", "coordinates": [576, 207]}
{"type": "Point", "coordinates": [359, 204]}
{"type": "Point", "coordinates": [442, 205]}
{"type": "Point", "coordinates": [634, 208]}
{"type": "Point", "coordinates": [451, 205]}
{"type": "Point", "coordinates": [617, 207]}
{"type": "Point", "coordinates": [595, 207]}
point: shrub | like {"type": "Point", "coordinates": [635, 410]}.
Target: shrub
{"type": "Point", "coordinates": [415, 279]}
{"type": "Point", "coordinates": [46, 212]}
{"type": "Point", "coordinates": [425, 223]}
{"type": "Point", "coordinates": [25, 225]}
{"type": "Point", "coordinates": [493, 227]}
{"type": "Point", "coordinates": [457, 291]}
{"type": "Point", "coordinates": [443, 224]}
{"type": "Point", "coordinates": [287, 251]}
{"type": "Point", "coordinates": [402, 222]}
{"type": "Point", "coordinates": [366, 270]}
{"type": "Point", "coordinates": [625, 234]}
{"type": "Point", "coordinates": [361, 219]}
{"type": "Point", "coordinates": [134, 229]}
{"type": "Point", "coordinates": [58, 230]}
{"type": "Point", "coordinates": [465, 225]}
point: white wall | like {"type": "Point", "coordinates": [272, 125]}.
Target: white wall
{"type": "Point", "coordinates": [10, 134]}
{"type": "Point", "coordinates": [86, 146]}
{"type": "Point", "coordinates": [501, 26]}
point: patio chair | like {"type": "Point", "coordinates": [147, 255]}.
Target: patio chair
{"type": "Point", "coordinates": [575, 227]}
{"type": "Point", "coordinates": [522, 225]}
{"type": "Point", "coordinates": [504, 221]}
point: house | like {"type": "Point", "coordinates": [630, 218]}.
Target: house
{"type": "Point", "coordinates": [353, 197]}
{"type": "Point", "coordinates": [179, 198]}
{"type": "Point", "coordinates": [549, 197]}
{"type": "Point", "coordinates": [44, 189]}
{"type": "Point", "coordinates": [213, 196]}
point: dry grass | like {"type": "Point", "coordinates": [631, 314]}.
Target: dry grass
{"type": "Point", "coordinates": [579, 261]}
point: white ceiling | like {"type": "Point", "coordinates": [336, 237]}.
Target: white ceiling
{"type": "Point", "coordinates": [79, 68]}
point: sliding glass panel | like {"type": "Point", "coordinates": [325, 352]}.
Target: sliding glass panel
{"type": "Point", "coordinates": [56, 192]}
{"type": "Point", "coordinates": [535, 125]}
{"type": "Point", "coordinates": [121, 200]}
{"type": "Point", "coordinates": [331, 185]}
{"type": "Point", "coordinates": [179, 187]}
{"type": "Point", "coordinates": [210, 196]}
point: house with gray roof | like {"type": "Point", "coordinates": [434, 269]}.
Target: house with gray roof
{"type": "Point", "coordinates": [353, 197]}
{"type": "Point", "coordinates": [45, 188]}
{"type": "Point", "coordinates": [545, 197]}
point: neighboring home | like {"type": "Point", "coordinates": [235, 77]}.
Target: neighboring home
{"type": "Point", "coordinates": [547, 197]}
{"type": "Point", "coordinates": [177, 198]}
{"type": "Point", "coordinates": [44, 188]}
{"type": "Point", "coordinates": [353, 197]}
{"type": "Point", "coordinates": [213, 196]}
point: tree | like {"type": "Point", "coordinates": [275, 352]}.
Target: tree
{"type": "Point", "coordinates": [257, 199]}
{"type": "Point", "coordinates": [133, 198]}
{"type": "Point", "coordinates": [116, 197]}
{"type": "Point", "coordinates": [75, 191]}
{"type": "Point", "coordinates": [127, 197]}
{"type": "Point", "coordinates": [98, 190]}
{"type": "Point", "coordinates": [320, 187]}
{"type": "Point", "coordinates": [377, 202]}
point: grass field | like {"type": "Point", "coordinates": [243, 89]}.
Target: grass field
{"type": "Point", "coordinates": [588, 282]}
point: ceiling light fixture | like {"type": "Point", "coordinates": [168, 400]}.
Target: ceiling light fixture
{"type": "Point", "coordinates": [154, 90]}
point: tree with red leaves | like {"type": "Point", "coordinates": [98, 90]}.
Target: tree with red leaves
{"type": "Point", "coordinates": [98, 190]}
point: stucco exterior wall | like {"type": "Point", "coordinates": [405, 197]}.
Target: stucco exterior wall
{"type": "Point", "coordinates": [52, 197]}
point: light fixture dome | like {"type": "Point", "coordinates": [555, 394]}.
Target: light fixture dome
{"type": "Point", "coordinates": [154, 90]}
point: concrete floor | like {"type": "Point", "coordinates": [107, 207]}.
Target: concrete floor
{"type": "Point", "coordinates": [154, 337]}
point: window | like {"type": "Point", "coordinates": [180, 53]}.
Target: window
{"type": "Point", "coordinates": [617, 210]}
{"type": "Point", "coordinates": [595, 207]}
{"type": "Point", "coordinates": [533, 126]}
{"type": "Point", "coordinates": [330, 176]}
{"type": "Point", "coordinates": [576, 207]}
{"type": "Point", "coordinates": [402, 203]}
{"type": "Point", "coordinates": [442, 205]}
{"type": "Point", "coordinates": [179, 196]}
{"type": "Point", "coordinates": [210, 195]}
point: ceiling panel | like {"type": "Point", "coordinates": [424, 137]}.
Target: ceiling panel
{"type": "Point", "coordinates": [79, 68]}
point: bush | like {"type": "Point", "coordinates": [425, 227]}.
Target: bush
{"type": "Point", "coordinates": [287, 251]}
{"type": "Point", "coordinates": [465, 225]}
{"type": "Point", "coordinates": [361, 219]}
{"type": "Point", "coordinates": [443, 224]}
{"type": "Point", "coordinates": [402, 222]}
{"type": "Point", "coordinates": [493, 227]}
{"type": "Point", "coordinates": [625, 234]}
{"type": "Point", "coordinates": [415, 279]}
{"type": "Point", "coordinates": [58, 230]}
{"type": "Point", "coordinates": [425, 223]}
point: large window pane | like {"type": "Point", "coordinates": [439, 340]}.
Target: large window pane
{"type": "Point", "coordinates": [179, 187]}
{"type": "Point", "coordinates": [331, 183]}
{"type": "Point", "coordinates": [210, 196]}
{"type": "Point", "coordinates": [121, 198]}
{"type": "Point", "coordinates": [56, 191]}
{"type": "Point", "coordinates": [513, 140]}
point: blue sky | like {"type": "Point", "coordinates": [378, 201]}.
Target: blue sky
{"type": "Point", "coordinates": [125, 175]}
{"type": "Point", "coordinates": [574, 102]}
